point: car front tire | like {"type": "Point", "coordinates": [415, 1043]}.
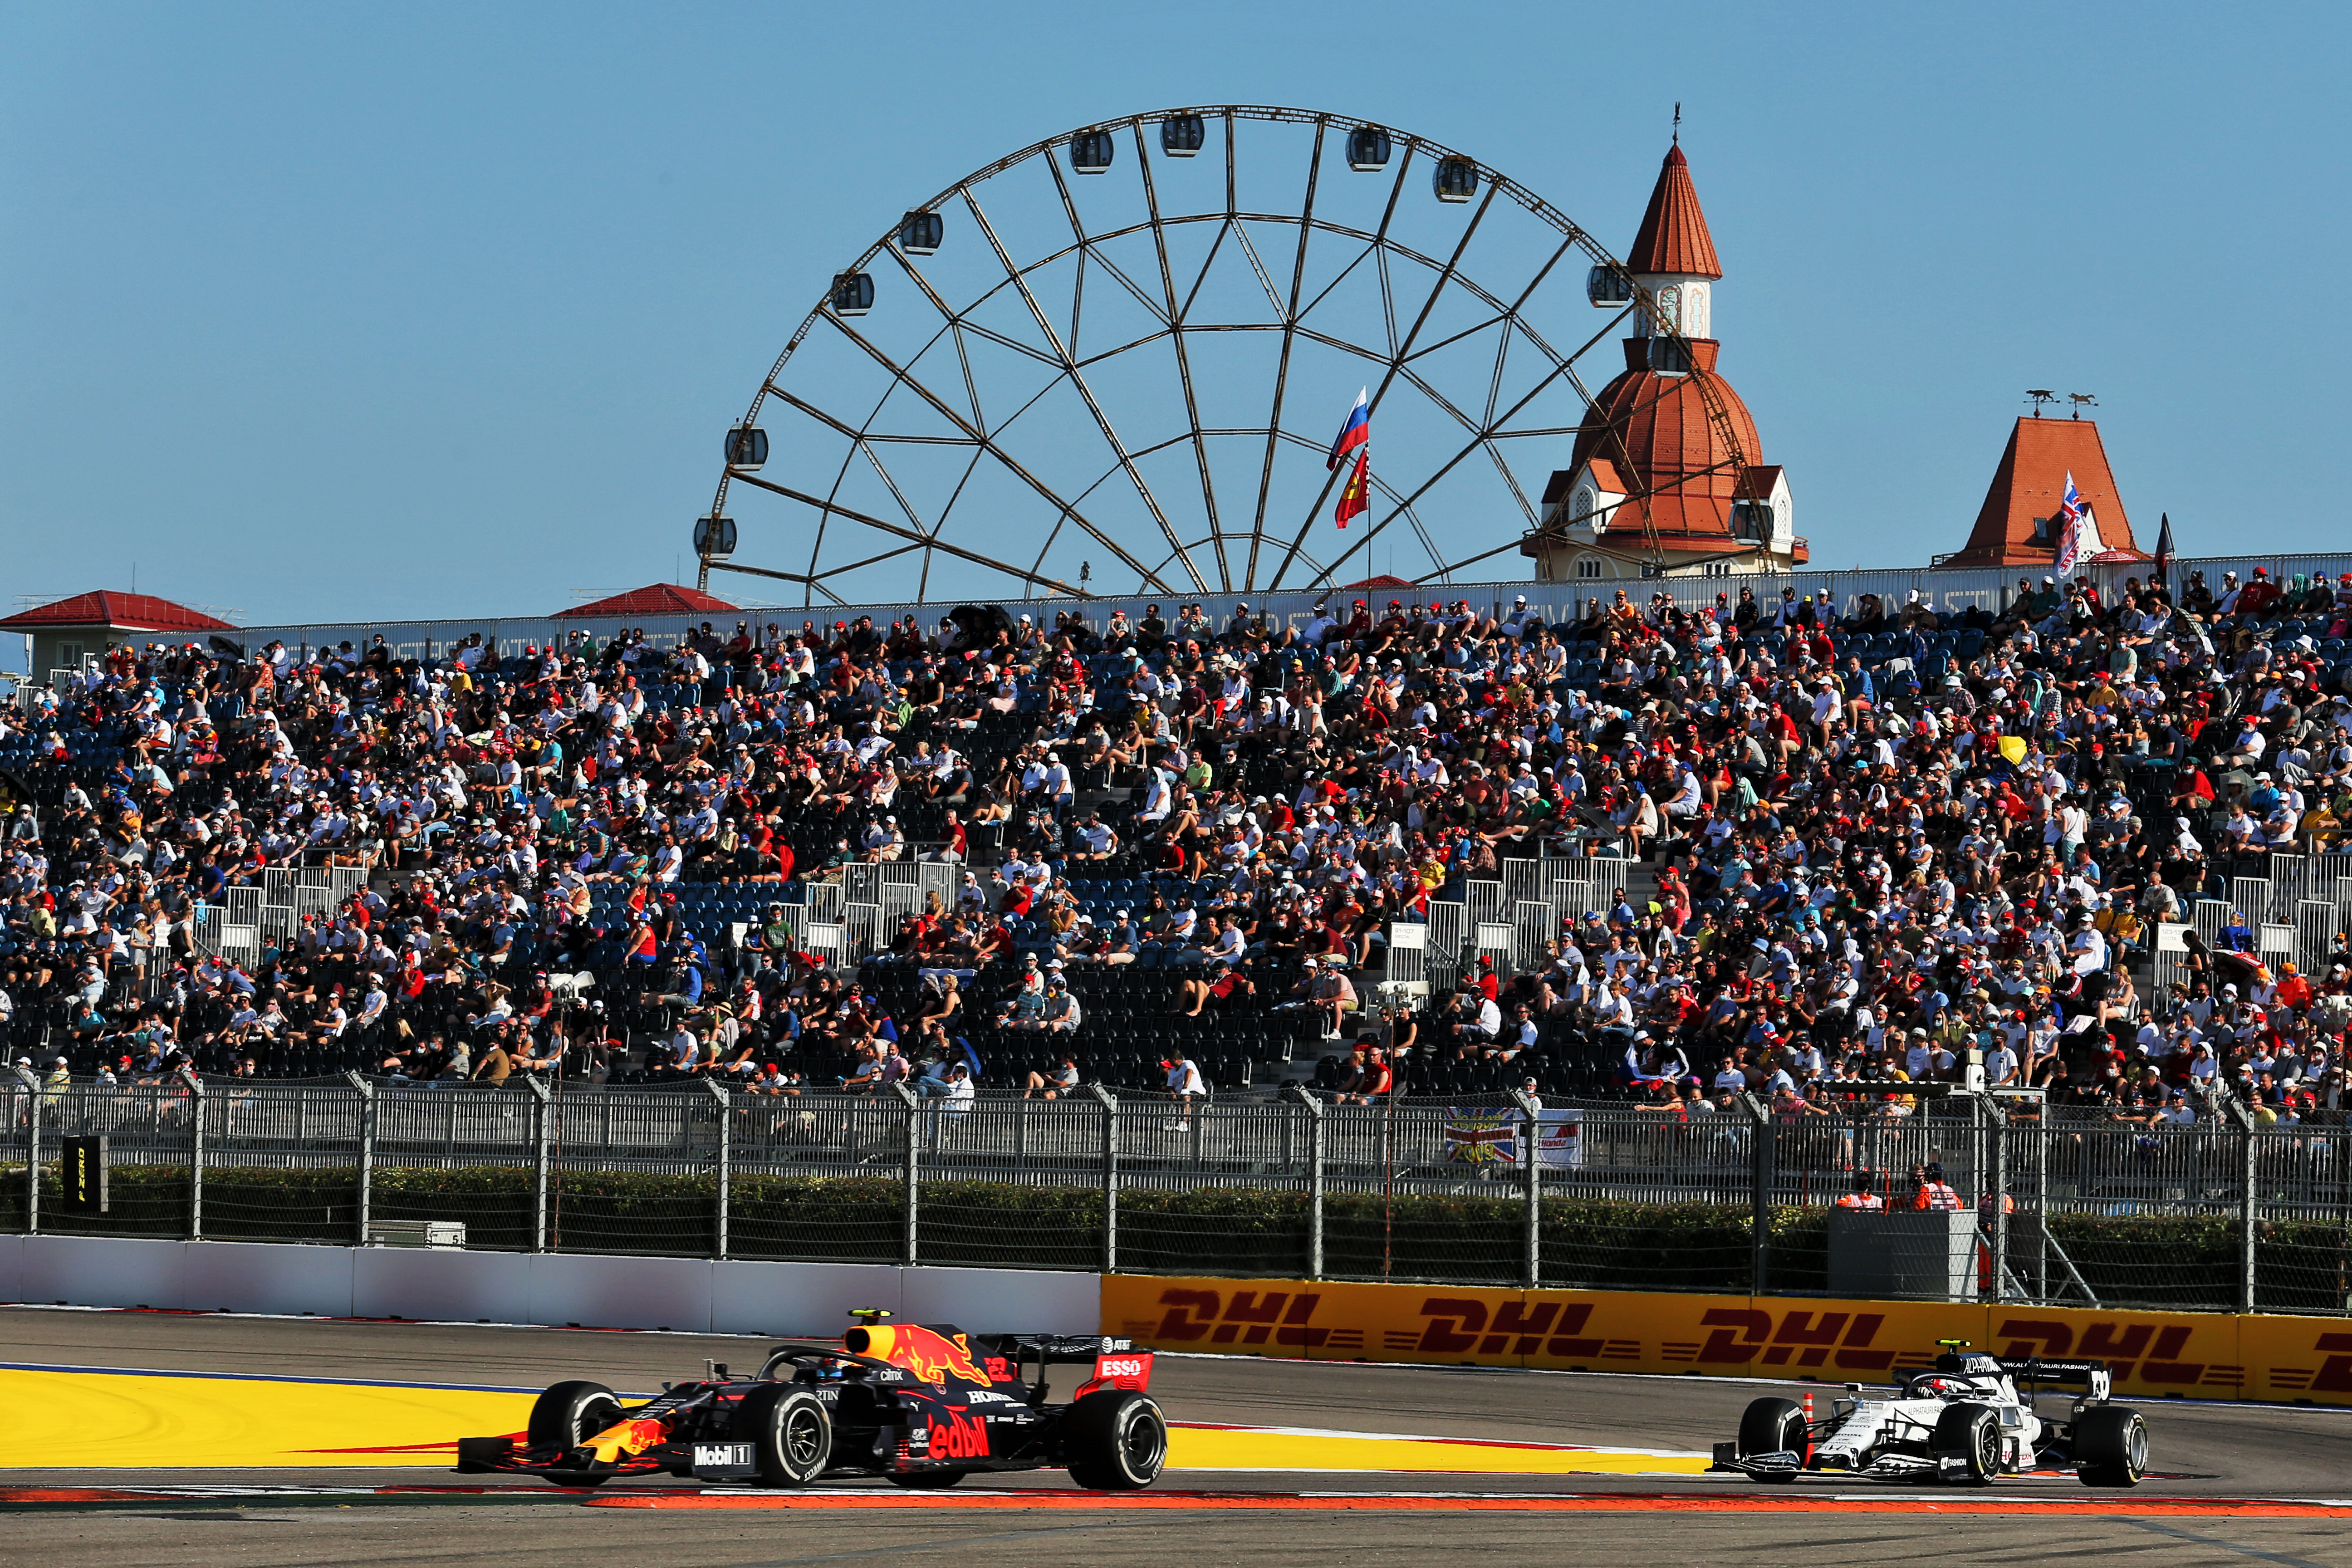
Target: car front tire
{"type": "Point", "coordinates": [790, 1431]}
{"type": "Point", "coordinates": [1973, 1430]}
{"type": "Point", "coordinates": [2110, 1447]}
{"type": "Point", "coordinates": [566, 1416]}
{"type": "Point", "coordinates": [1773, 1427]}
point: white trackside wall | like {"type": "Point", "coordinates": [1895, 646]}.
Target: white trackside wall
{"type": "Point", "coordinates": [685, 1294]}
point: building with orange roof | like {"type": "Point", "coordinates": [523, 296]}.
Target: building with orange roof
{"type": "Point", "coordinates": [65, 632]}
{"type": "Point", "coordinates": [655, 599]}
{"type": "Point", "coordinates": [2018, 523]}
{"type": "Point", "coordinates": [1668, 475]}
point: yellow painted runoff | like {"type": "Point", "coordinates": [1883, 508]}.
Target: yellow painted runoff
{"type": "Point", "coordinates": [1283, 1449]}
{"type": "Point", "coordinates": [139, 1420]}
{"type": "Point", "coordinates": [159, 1421]}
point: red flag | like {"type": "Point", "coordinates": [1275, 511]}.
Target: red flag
{"type": "Point", "coordinates": [1354, 496]}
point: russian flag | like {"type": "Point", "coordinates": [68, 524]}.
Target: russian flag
{"type": "Point", "coordinates": [1355, 432]}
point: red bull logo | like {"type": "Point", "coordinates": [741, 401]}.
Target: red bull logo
{"type": "Point", "coordinates": [959, 1434]}
{"type": "Point", "coordinates": [932, 1356]}
{"type": "Point", "coordinates": [628, 1437]}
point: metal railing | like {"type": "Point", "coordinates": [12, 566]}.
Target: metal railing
{"type": "Point", "coordinates": [2223, 1215]}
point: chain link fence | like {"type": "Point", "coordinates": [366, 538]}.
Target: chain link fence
{"type": "Point", "coordinates": [2225, 1214]}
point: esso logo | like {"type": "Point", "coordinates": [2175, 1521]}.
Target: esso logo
{"type": "Point", "coordinates": [1119, 1366]}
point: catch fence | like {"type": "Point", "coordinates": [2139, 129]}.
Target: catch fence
{"type": "Point", "coordinates": [2223, 1215]}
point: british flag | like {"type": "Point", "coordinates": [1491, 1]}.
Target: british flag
{"type": "Point", "coordinates": [2070, 505]}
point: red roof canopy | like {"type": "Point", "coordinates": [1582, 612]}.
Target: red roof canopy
{"type": "Point", "coordinates": [2027, 488]}
{"type": "Point", "coordinates": [653, 599]}
{"type": "Point", "coordinates": [120, 612]}
{"type": "Point", "coordinates": [1672, 237]}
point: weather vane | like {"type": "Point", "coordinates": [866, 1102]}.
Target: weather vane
{"type": "Point", "coordinates": [1678, 125]}
{"type": "Point", "coordinates": [2082, 400]}
{"type": "Point", "coordinates": [2039, 395]}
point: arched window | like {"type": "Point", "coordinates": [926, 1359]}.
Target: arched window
{"type": "Point", "coordinates": [1588, 567]}
{"type": "Point", "coordinates": [1581, 508]}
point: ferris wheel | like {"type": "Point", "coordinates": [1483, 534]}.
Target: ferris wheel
{"type": "Point", "coordinates": [1113, 364]}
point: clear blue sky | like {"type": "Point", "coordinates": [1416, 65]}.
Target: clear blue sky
{"type": "Point", "coordinates": [437, 309]}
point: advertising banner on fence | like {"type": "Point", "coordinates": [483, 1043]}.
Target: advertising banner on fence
{"type": "Point", "coordinates": [2185, 1354]}
{"type": "Point", "coordinates": [1490, 1136]}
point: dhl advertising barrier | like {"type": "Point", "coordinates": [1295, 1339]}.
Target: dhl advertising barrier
{"type": "Point", "coordinates": [2184, 1355]}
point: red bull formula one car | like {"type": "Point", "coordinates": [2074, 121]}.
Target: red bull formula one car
{"type": "Point", "coordinates": [917, 1405]}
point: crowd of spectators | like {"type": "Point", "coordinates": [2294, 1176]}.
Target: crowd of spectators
{"type": "Point", "coordinates": [1870, 845]}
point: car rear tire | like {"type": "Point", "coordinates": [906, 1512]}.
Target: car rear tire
{"type": "Point", "coordinates": [1973, 1430]}
{"type": "Point", "coordinates": [2110, 1447]}
{"type": "Point", "coordinates": [929, 1480]}
{"type": "Point", "coordinates": [790, 1431]}
{"type": "Point", "coordinates": [1773, 1427]}
{"type": "Point", "coordinates": [1115, 1441]}
{"type": "Point", "coordinates": [567, 1415]}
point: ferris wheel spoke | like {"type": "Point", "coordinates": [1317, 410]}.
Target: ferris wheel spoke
{"type": "Point", "coordinates": [1183, 364]}
{"type": "Point", "coordinates": [1264, 281]}
{"type": "Point", "coordinates": [1410, 516]}
{"type": "Point", "coordinates": [990, 335]}
{"type": "Point", "coordinates": [1131, 343]}
{"type": "Point", "coordinates": [947, 510]}
{"type": "Point", "coordinates": [861, 441]}
{"type": "Point", "coordinates": [1565, 369]}
{"type": "Point", "coordinates": [891, 482]}
{"type": "Point", "coordinates": [990, 444]}
{"type": "Point", "coordinates": [1191, 295]}
{"type": "Point", "coordinates": [1045, 549]}
{"type": "Point", "coordinates": [837, 509]}
{"type": "Point", "coordinates": [875, 559]}
{"type": "Point", "coordinates": [1371, 249]}
{"type": "Point", "coordinates": [812, 584]}
{"type": "Point", "coordinates": [864, 437]}
{"type": "Point", "coordinates": [1467, 332]}
{"type": "Point", "coordinates": [1495, 384]}
{"type": "Point", "coordinates": [957, 326]}
{"type": "Point", "coordinates": [1289, 313]}
{"type": "Point", "coordinates": [1079, 381]}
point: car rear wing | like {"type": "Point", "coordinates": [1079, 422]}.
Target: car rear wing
{"type": "Point", "coordinates": [1053, 1350]}
{"type": "Point", "coordinates": [1117, 1363]}
{"type": "Point", "coordinates": [2096, 1377]}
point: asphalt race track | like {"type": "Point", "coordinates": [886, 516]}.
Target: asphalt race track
{"type": "Point", "coordinates": [2235, 1483]}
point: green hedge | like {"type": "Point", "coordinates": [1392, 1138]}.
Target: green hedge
{"type": "Point", "coordinates": [2143, 1260]}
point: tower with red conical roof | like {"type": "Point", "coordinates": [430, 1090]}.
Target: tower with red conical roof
{"type": "Point", "coordinates": [1668, 470]}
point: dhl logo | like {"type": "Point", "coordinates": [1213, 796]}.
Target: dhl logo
{"type": "Point", "coordinates": [2155, 1353]}
{"type": "Point", "coordinates": [958, 1435]}
{"type": "Point", "coordinates": [932, 1356]}
{"type": "Point", "coordinates": [634, 1436]}
{"type": "Point", "coordinates": [1842, 1340]}
{"type": "Point", "coordinates": [2335, 1374]}
{"type": "Point", "coordinates": [1250, 1318]}
{"type": "Point", "coordinates": [1462, 1326]}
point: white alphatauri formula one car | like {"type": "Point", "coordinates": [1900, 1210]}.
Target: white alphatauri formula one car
{"type": "Point", "coordinates": [1963, 1422]}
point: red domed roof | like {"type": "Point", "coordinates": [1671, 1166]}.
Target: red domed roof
{"type": "Point", "coordinates": [1656, 427]}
